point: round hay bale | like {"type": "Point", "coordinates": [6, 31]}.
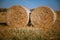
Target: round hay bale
{"type": "Point", "coordinates": [17, 16]}
{"type": "Point", "coordinates": [43, 17]}
{"type": "Point", "coordinates": [2, 17]}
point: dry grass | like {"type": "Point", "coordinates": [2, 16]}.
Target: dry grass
{"type": "Point", "coordinates": [26, 33]}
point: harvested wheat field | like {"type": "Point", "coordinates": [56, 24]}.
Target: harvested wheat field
{"type": "Point", "coordinates": [43, 17]}
{"type": "Point", "coordinates": [17, 16]}
{"type": "Point", "coordinates": [25, 33]}
{"type": "Point", "coordinates": [20, 27]}
{"type": "Point", "coordinates": [2, 17]}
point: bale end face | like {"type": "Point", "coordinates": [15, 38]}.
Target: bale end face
{"type": "Point", "coordinates": [17, 16]}
{"type": "Point", "coordinates": [43, 17]}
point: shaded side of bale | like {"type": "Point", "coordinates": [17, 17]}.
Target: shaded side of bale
{"type": "Point", "coordinates": [2, 17]}
{"type": "Point", "coordinates": [17, 16]}
{"type": "Point", "coordinates": [43, 17]}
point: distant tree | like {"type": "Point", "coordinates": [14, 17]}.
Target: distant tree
{"type": "Point", "coordinates": [3, 9]}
